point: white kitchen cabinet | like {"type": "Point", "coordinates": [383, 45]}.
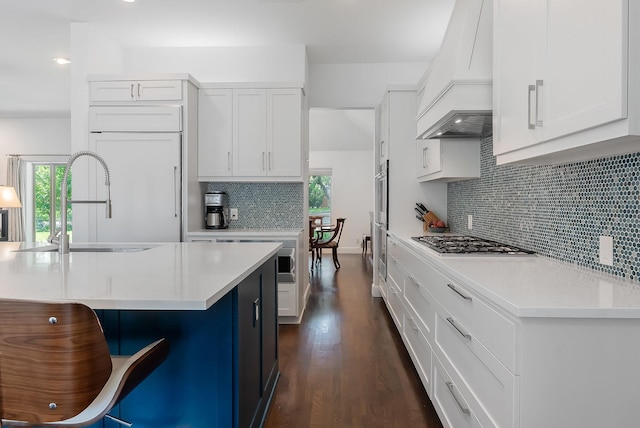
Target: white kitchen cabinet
{"type": "Point", "coordinates": [552, 102]}
{"type": "Point", "coordinates": [250, 133]}
{"type": "Point", "coordinates": [215, 133]}
{"type": "Point", "coordinates": [135, 90]}
{"type": "Point", "coordinates": [135, 119]}
{"type": "Point", "coordinates": [284, 132]}
{"type": "Point", "coordinates": [447, 160]}
{"type": "Point", "coordinates": [292, 295]}
{"type": "Point", "coordinates": [145, 186]}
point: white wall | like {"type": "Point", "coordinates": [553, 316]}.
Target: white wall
{"type": "Point", "coordinates": [343, 140]}
{"type": "Point", "coordinates": [33, 136]}
{"type": "Point", "coordinates": [222, 64]}
{"type": "Point", "coordinates": [358, 85]}
{"type": "Point", "coordinates": [352, 187]}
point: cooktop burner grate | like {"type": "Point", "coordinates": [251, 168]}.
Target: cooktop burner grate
{"type": "Point", "coordinates": [463, 244]}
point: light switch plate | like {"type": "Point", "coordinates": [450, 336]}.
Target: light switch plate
{"type": "Point", "coordinates": [469, 222]}
{"type": "Point", "coordinates": [234, 213]}
{"type": "Point", "coordinates": [606, 250]}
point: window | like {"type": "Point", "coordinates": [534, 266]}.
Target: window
{"type": "Point", "coordinates": [44, 182]}
{"type": "Point", "coordinates": [320, 195]}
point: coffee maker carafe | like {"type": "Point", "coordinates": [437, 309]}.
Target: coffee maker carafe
{"type": "Point", "coordinates": [216, 210]}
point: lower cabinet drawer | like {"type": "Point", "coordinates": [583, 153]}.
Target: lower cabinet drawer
{"type": "Point", "coordinates": [287, 299]}
{"type": "Point", "coordinates": [421, 302]}
{"type": "Point", "coordinates": [496, 331]}
{"type": "Point", "coordinates": [450, 403]}
{"type": "Point", "coordinates": [493, 386]}
{"type": "Point", "coordinates": [418, 347]}
{"type": "Point", "coordinates": [394, 304]}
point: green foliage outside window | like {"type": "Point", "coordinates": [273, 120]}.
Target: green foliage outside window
{"type": "Point", "coordinates": [319, 194]}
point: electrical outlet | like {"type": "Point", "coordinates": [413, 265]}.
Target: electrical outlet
{"type": "Point", "coordinates": [469, 222]}
{"type": "Point", "coordinates": [606, 250]}
{"type": "Point", "coordinates": [234, 213]}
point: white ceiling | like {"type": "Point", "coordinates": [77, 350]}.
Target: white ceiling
{"type": "Point", "coordinates": [334, 31]}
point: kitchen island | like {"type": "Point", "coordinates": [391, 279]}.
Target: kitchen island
{"type": "Point", "coordinates": [216, 303]}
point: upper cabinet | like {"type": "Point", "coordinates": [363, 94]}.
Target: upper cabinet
{"type": "Point", "coordinates": [565, 80]}
{"type": "Point", "coordinates": [447, 160]}
{"type": "Point", "coordinates": [250, 133]}
{"type": "Point", "coordinates": [135, 90]}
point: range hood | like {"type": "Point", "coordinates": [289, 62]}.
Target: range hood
{"type": "Point", "coordinates": [457, 101]}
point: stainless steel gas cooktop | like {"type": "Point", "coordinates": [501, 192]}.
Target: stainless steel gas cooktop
{"type": "Point", "coordinates": [462, 244]}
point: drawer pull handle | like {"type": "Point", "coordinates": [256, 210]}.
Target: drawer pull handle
{"type": "Point", "coordinates": [451, 387]}
{"type": "Point", "coordinates": [464, 296]}
{"type": "Point", "coordinates": [413, 281]}
{"type": "Point", "coordinates": [394, 260]}
{"type": "Point", "coordinates": [458, 329]}
{"type": "Point", "coordinates": [414, 326]}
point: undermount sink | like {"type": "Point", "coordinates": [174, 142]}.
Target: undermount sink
{"type": "Point", "coordinates": [51, 249]}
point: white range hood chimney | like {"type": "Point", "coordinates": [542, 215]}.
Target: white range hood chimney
{"type": "Point", "coordinates": [458, 91]}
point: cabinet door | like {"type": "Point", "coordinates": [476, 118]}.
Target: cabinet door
{"type": "Point", "coordinates": [145, 186]}
{"type": "Point", "coordinates": [284, 132]}
{"type": "Point", "coordinates": [585, 84]}
{"type": "Point", "coordinates": [519, 53]}
{"type": "Point", "coordinates": [250, 132]}
{"type": "Point", "coordinates": [249, 356]}
{"type": "Point", "coordinates": [269, 306]}
{"type": "Point", "coordinates": [428, 157]}
{"type": "Point", "coordinates": [128, 90]}
{"type": "Point", "coordinates": [215, 132]}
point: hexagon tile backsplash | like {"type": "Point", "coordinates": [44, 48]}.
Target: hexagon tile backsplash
{"type": "Point", "coordinates": [559, 211]}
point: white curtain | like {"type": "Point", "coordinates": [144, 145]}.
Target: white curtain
{"type": "Point", "coordinates": [16, 215]}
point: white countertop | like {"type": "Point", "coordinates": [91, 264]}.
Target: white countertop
{"type": "Point", "coordinates": [171, 276]}
{"type": "Point", "coordinates": [538, 286]}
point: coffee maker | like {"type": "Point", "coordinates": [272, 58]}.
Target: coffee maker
{"type": "Point", "coordinates": [216, 210]}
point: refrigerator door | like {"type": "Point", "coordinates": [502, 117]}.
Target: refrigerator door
{"type": "Point", "coordinates": [145, 187]}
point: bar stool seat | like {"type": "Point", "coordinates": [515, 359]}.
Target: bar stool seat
{"type": "Point", "coordinates": [55, 366]}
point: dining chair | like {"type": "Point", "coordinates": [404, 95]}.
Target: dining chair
{"type": "Point", "coordinates": [56, 369]}
{"type": "Point", "coordinates": [331, 242]}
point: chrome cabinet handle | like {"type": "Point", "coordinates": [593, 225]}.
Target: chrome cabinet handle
{"type": "Point", "coordinates": [256, 311]}
{"type": "Point", "coordinates": [175, 191]}
{"type": "Point", "coordinates": [531, 125]}
{"type": "Point", "coordinates": [425, 162]}
{"type": "Point", "coordinates": [463, 409]}
{"type": "Point", "coordinates": [414, 325]}
{"type": "Point", "coordinates": [413, 281]}
{"type": "Point", "coordinates": [228, 161]}
{"type": "Point", "coordinates": [270, 162]}
{"type": "Point", "coordinates": [131, 91]}
{"type": "Point", "coordinates": [539, 84]}
{"type": "Point", "coordinates": [458, 329]}
{"type": "Point", "coordinates": [459, 293]}
{"type": "Point", "coordinates": [263, 159]}
{"type": "Point", "coordinates": [394, 260]}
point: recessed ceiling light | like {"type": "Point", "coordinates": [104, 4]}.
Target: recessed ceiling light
{"type": "Point", "coordinates": [62, 61]}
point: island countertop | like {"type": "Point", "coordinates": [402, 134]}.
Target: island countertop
{"type": "Point", "coordinates": [167, 276]}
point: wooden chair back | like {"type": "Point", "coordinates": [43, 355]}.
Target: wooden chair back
{"type": "Point", "coordinates": [336, 232]}
{"type": "Point", "coordinates": [54, 360]}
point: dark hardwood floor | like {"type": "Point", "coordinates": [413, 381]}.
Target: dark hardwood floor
{"type": "Point", "coordinates": [345, 364]}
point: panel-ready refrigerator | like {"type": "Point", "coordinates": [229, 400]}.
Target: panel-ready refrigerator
{"type": "Point", "coordinates": [143, 148]}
